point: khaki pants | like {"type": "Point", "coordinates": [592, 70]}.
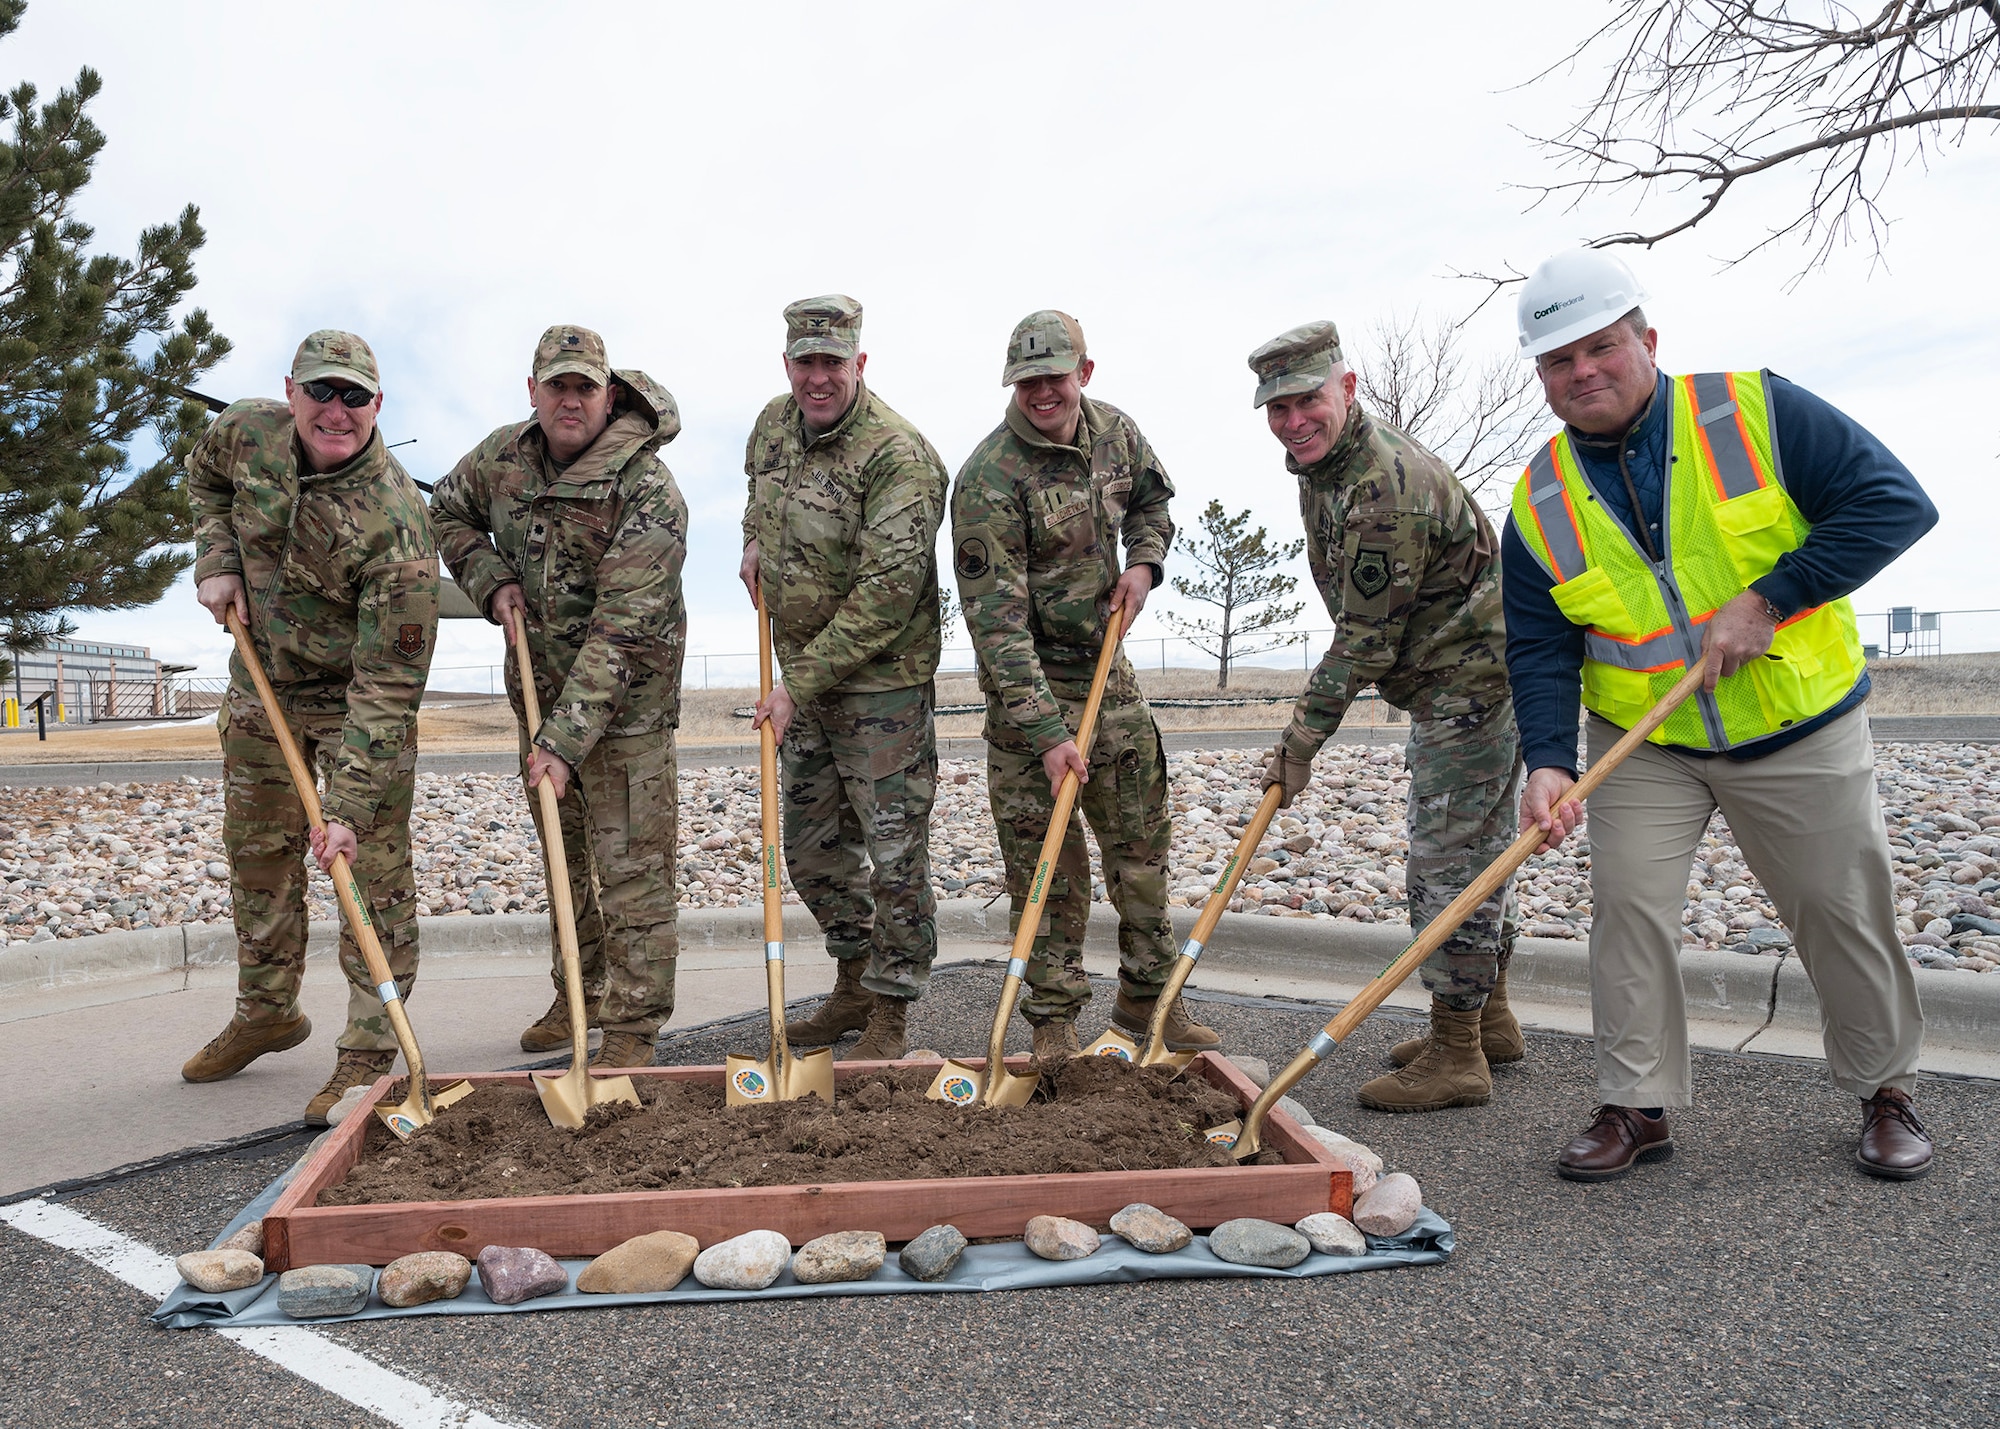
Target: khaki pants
{"type": "Point", "coordinates": [1809, 823]}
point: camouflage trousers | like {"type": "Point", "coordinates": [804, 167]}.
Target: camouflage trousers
{"type": "Point", "coordinates": [620, 837]}
{"type": "Point", "coordinates": [1465, 783]}
{"type": "Point", "coordinates": [860, 777]}
{"type": "Point", "coordinates": [264, 831]}
{"type": "Point", "coordinates": [1125, 801]}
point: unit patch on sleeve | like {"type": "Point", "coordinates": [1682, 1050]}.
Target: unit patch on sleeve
{"type": "Point", "coordinates": [410, 640]}
{"type": "Point", "coordinates": [972, 561]}
{"type": "Point", "coordinates": [1370, 575]}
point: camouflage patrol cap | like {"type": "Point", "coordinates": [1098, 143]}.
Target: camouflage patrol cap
{"type": "Point", "coordinates": [569, 348]}
{"type": "Point", "coordinates": [830, 324]}
{"type": "Point", "coordinates": [1296, 362]}
{"type": "Point", "coordinates": [341, 355]}
{"type": "Point", "coordinates": [1044, 344]}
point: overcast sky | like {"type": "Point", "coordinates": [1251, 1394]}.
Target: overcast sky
{"type": "Point", "coordinates": [448, 180]}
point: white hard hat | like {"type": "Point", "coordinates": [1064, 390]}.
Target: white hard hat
{"type": "Point", "coordinates": [1573, 295]}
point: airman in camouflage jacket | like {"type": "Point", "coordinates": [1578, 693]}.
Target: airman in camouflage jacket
{"type": "Point", "coordinates": [1409, 568]}
{"type": "Point", "coordinates": [598, 550]}
{"type": "Point", "coordinates": [1037, 531]}
{"type": "Point", "coordinates": [342, 580]}
{"type": "Point", "coordinates": [846, 529]}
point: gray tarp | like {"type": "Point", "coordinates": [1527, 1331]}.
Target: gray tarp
{"type": "Point", "coordinates": [1011, 1266]}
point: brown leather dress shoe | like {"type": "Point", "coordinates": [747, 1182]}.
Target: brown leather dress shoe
{"type": "Point", "coordinates": [1617, 1138]}
{"type": "Point", "coordinates": [1894, 1144]}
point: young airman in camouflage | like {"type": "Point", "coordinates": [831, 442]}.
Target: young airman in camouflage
{"type": "Point", "coordinates": [840, 529]}
{"type": "Point", "coordinates": [572, 520]}
{"type": "Point", "coordinates": [318, 540]}
{"type": "Point", "coordinates": [1039, 514]}
{"type": "Point", "coordinates": [1409, 569]}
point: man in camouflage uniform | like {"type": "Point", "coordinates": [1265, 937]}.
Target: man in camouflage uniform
{"type": "Point", "coordinates": [314, 535]}
{"type": "Point", "coordinates": [1410, 572]}
{"type": "Point", "coordinates": [840, 528]}
{"type": "Point", "coordinates": [1038, 515]}
{"type": "Point", "coordinates": [571, 520]}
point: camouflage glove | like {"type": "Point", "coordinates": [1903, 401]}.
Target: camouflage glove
{"type": "Point", "coordinates": [1290, 765]}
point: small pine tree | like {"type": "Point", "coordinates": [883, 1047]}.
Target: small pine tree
{"type": "Point", "coordinates": [1239, 578]}
{"type": "Point", "coordinates": [91, 360]}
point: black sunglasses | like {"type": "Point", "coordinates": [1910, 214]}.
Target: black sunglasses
{"type": "Point", "coordinates": [349, 396]}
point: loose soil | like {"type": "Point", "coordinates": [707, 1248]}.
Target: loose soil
{"type": "Point", "coordinates": [1094, 1114]}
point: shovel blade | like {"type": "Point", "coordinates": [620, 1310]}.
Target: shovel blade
{"type": "Point", "coordinates": [752, 1081]}
{"type": "Point", "coordinates": [568, 1095]}
{"type": "Point", "coordinates": [1179, 1061]}
{"type": "Point", "coordinates": [404, 1120]}
{"type": "Point", "coordinates": [964, 1084]}
{"type": "Point", "coordinates": [1113, 1043]}
{"type": "Point", "coordinates": [810, 1075]}
{"type": "Point", "coordinates": [1229, 1136]}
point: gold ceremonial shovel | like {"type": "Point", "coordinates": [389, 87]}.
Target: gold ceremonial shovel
{"type": "Point", "coordinates": [783, 1075]}
{"type": "Point", "coordinates": [1114, 1042]}
{"type": "Point", "coordinates": [991, 1084]}
{"type": "Point", "coordinates": [1244, 1138]}
{"type": "Point", "coordinates": [566, 1096]}
{"type": "Point", "coordinates": [422, 1105]}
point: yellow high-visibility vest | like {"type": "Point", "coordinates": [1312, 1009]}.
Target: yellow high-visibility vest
{"type": "Point", "coordinates": [1727, 521]}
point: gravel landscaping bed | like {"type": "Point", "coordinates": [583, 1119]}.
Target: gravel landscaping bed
{"type": "Point", "coordinates": [79, 861]}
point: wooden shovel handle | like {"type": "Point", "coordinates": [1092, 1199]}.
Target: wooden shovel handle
{"type": "Point", "coordinates": [767, 753]}
{"type": "Point", "coordinates": [555, 856]}
{"type": "Point", "coordinates": [346, 887]}
{"type": "Point", "coordinates": [1052, 842]}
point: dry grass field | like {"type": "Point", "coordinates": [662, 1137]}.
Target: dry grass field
{"type": "Point", "coordinates": [1945, 685]}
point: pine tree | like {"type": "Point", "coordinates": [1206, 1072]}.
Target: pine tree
{"type": "Point", "coordinates": [92, 360]}
{"type": "Point", "coordinates": [1236, 583]}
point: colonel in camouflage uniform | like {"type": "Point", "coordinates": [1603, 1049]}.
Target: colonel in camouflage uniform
{"type": "Point", "coordinates": [1410, 572]}
{"type": "Point", "coordinates": [840, 528]}
{"type": "Point", "coordinates": [571, 520]}
{"type": "Point", "coordinates": [314, 535]}
{"type": "Point", "coordinates": [1039, 515]}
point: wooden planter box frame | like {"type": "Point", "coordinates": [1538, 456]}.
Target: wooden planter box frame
{"type": "Point", "coordinates": [299, 1232]}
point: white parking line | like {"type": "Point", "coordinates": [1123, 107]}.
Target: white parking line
{"type": "Point", "coordinates": [311, 1356]}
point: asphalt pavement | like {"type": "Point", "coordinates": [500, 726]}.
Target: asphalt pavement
{"type": "Point", "coordinates": [1756, 1278]}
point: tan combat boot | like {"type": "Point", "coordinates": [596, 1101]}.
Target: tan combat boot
{"type": "Point", "coordinates": [1499, 1033]}
{"type": "Point", "coordinates": [1134, 1017]}
{"type": "Point", "coordinates": [242, 1043]}
{"type": "Point", "coordinates": [625, 1049]}
{"type": "Point", "coordinates": [845, 1011]}
{"type": "Point", "coordinates": [1056, 1040]}
{"type": "Point", "coordinates": [550, 1031]}
{"type": "Point", "coordinates": [887, 1037]}
{"type": "Point", "coordinates": [1451, 1071]}
{"type": "Point", "coordinates": [350, 1069]}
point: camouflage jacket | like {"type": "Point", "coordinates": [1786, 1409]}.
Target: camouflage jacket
{"type": "Point", "coordinates": [1036, 530]}
{"type": "Point", "coordinates": [1409, 568]}
{"type": "Point", "coordinates": [846, 529]}
{"type": "Point", "coordinates": [598, 552]}
{"type": "Point", "coordinates": [343, 584]}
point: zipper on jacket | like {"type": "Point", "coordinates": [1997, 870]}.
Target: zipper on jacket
{"type": "Point", "coordinates": [285, 551]}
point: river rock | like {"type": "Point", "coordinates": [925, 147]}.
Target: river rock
{"type": "Point", "coordinates": [1248, 1241]}
{"type": "Point", "coordinates": [248, 1236]}
{"type": "Point", "coordinates": [1060, 1238]}
{"type": "Point", "coordinates": [215, 1272]}
{"type": "Point", "coordinates": [1150, 1229]}
{"type": "Point", "coordinates": [1361, 1163]}
{"type": "Point", "coordinates": [932, 1255]}
{"type": "Point", "coordinates": [844, 1255]}
{"type": "Point", "coordinates": [1332, 1234]}
{"type": "Point", "coordinates": [642, 1265]}
{"type": "Point", "coordinates": [1255, 1068]}
{"type": "Point", "coordinates": [750, 1261]}
{"type": "Point", "coordinates": [349, 1100]}
{"type": "Point", "coordinates": [314, 1292]}
{"type": "Point", "coordinates": [510, 1274]}
{"type": "Point", "coordinates": [423, 1277]}
{"type": "Point", "coordinates": [1296, 1111]}
{"type": "Point", "coordinates": [1391, 1205]}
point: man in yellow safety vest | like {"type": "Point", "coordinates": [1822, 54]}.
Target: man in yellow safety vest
{"type": "Point", "coordinates": [1730, 514]}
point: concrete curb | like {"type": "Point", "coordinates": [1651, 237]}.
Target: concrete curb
{"type": "Point", "coordinates": [1960, 1009]}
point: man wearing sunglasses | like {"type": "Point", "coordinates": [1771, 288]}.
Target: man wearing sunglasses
{"type": "Point", "coordinates": [571, 520]}
{"type": "Point", "coordinates": [318, 540]}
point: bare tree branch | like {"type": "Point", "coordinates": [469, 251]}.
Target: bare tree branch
{"type": "Point", "coordinates": [1703, 95]}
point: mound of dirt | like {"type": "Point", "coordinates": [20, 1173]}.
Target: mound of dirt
{"type": "Point", "coordinates": [1094, 1114]}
